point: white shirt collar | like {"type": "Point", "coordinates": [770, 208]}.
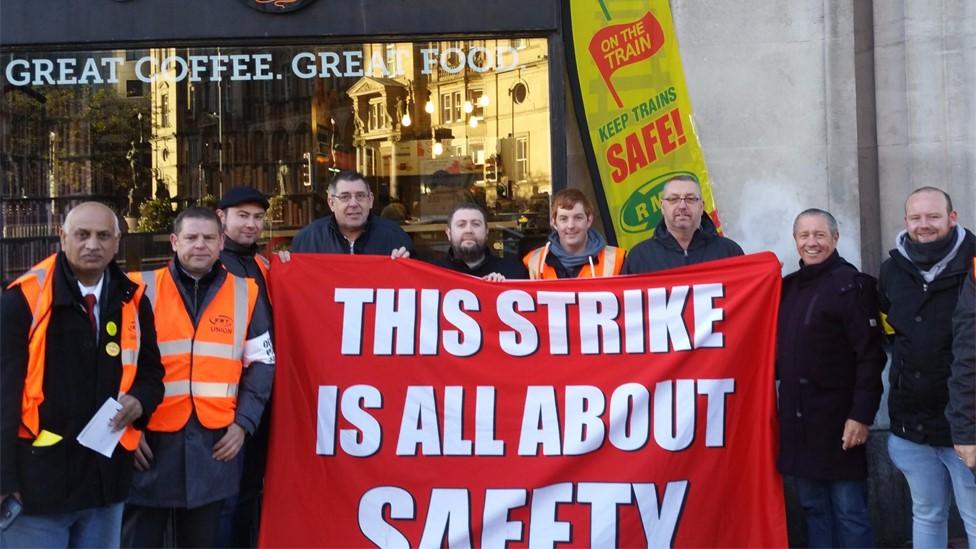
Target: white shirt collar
{"type": "Point", "coordinates": [96, 289]}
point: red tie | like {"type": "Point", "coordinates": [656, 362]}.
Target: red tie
{"type": "Point", "coordinates": [90, 305]}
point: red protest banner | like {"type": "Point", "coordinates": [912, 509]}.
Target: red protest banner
{"type": "Point", "coordinates": [419, 407]}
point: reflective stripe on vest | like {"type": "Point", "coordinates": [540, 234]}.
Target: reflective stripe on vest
{"type": "Point", "coordinates": [200, 388]}
{"type": "Point", "coordinates": [610, 259]}
{"type": "Point", "coordinates": [264, 265]}
{"type": "Point", "coordinates": [203, 363]}
{"type": "Point", "coordinates": [37, 286]}
{"type": "Point", "coordinates": [535, 262]}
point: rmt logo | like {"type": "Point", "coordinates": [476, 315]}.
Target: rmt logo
{"type": "Point", "coordinates": [221, 324]}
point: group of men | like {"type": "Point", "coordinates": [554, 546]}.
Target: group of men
{"type": "Point", "coordinates": [187, 351]}
{"type": "Point", "coordinates": [830, 361]}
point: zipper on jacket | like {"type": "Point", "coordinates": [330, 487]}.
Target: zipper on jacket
{"type": "Point", "coordinates": [193, 343]}
{"type": "Point", "coordinates": [193, 340]}
{"type": "Point", "coordinates": [196, 290]}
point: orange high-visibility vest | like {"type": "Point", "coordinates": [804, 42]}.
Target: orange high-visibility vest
{"type": "Point", "coordinates": [609, 263]}
{"type": "Point", "coordinates": [264, 265]}
{"type": "Point", "coordinates": [37, 285]}
{"type": "Point", "coordinates": [203, 363]}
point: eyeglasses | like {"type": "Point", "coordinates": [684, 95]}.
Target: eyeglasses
{"type": "Point", "coordinates": [346, 197]}
{"type": "Point", "coordinates": [690, 200]}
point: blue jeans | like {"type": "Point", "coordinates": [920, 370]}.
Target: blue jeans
{"type": "Point", "coordinates": [95, 527]}
{"type": "Point", "coordinates": [931, 472]}
{"type": "Point", "coordinates": [836, 512]}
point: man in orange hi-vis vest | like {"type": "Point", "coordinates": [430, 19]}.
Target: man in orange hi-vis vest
{"type": "Point", "coordinates": [213, 333]}
{"type": "Point", "coordinates": [76, 332]}
{"type": "Point", "coordinates": [574, 249]}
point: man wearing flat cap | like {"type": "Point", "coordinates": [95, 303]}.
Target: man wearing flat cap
{"type": "Point", "coordinates": [242, 211]}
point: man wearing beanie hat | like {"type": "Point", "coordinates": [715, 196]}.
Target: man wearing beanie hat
{"type": "Point", "coordinates": [242, 211]}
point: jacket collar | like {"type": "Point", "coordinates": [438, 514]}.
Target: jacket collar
{"type": "Point", "coordinates": [66, 291]}
{"type": "Point", "coordinates": [180, 275]}
{"type": "Point", "coordinates": [334, 227]}
{"type": "Point", "coordinates": [233, 247]}
{"type": "Point", "coordinates": [811, 272]}
{"type": "Point", "coordinates": [706, 232]}
{"type": "Point", "coordinates": [455, 260]}
{"type": "Point", "coordinates": [960, 264]}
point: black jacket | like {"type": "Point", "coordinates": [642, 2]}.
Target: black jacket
{"type": "Point", "coordinates": [242, 261]}
{"type": "Point", "coordinates": [511, 269]}
{"type": "Point", "coordinates": [829, 361]}
{"type": "Point", "coordinates": [662, 251]}
{"type": "Point", "coordinates": [961, 411]}
{"type": "Point", "coordinates": [79, 375]}
{"type": "Point", "coordinates": [921, 315]}
{"type": "Point", "coordinates": [381, 237]}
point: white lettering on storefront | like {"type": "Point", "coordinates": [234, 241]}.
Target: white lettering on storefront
{"type": "Point", "coordinates": [256, 66]}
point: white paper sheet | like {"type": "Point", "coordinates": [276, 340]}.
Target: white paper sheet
{"type": "Point", "coordinates": [98, 434]}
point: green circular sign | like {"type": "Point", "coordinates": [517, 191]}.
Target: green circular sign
{"type": "Point", "coordinates": [641, 211]}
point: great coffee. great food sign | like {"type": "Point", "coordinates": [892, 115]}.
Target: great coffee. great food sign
{"type": "Point", "coordinates": [96, 69]}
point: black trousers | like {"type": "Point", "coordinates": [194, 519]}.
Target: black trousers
{"type": "Point", "coordinates": [169, 526]}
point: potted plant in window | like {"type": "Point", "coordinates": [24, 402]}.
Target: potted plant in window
{"type": "Point", "coordinates": [155, 215]}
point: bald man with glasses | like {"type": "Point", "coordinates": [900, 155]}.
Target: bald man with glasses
{"type": "Point", "coordinates": [684, 236]}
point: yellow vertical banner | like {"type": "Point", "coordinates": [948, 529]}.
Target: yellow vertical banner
{"type": "Point", "coordinates": [634, 111]}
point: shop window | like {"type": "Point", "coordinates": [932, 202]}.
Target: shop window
{"type": "Point", "coordinates": [377, 119]}
{"type": "Point", "coordinates": [477, 150]}
{"type": "Point", "coordinates": [391, 58]}
{"type": "Point", "coordinates": [447, 113]}
{"type": "Point", "coordinates": [478, 103]}
{"type": "Point", "coordinates": [164, 110]}
{"type": "Point", "coordinates": [521, 158]}
{"type": "Point", "coordinates": [81, 135]}
{"type": "Point", "coordinates": [133, 88]}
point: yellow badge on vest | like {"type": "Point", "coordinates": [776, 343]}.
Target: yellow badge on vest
{"type": "Point", "coordinates": [112, 348]}
{"type": "Point", "coordinates": [111, 328]}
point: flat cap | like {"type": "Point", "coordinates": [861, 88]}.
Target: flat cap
{"type": "Point", "coordinates": [242, 195]}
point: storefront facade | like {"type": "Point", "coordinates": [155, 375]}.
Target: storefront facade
{"type": "Point", "coordinates": [152, 106]}
{"type": "Point", "coordinates": [845, 106]}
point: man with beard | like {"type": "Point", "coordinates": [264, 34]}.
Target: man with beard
{"type": "Point", "coordinates": [351, 229]}
{"type": "Point", "coordinates": [242, 212]}
{"type": "Point", "coordinates": [574, 249]}
{"type": "Point", "coordinates": [919, 289]}
{"type": "Point", "coordinates": [684, 236]}
{"type": "Point", "coordinates": [829, 362]}
{"type": "Point", "coordinates": [467, 231]}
